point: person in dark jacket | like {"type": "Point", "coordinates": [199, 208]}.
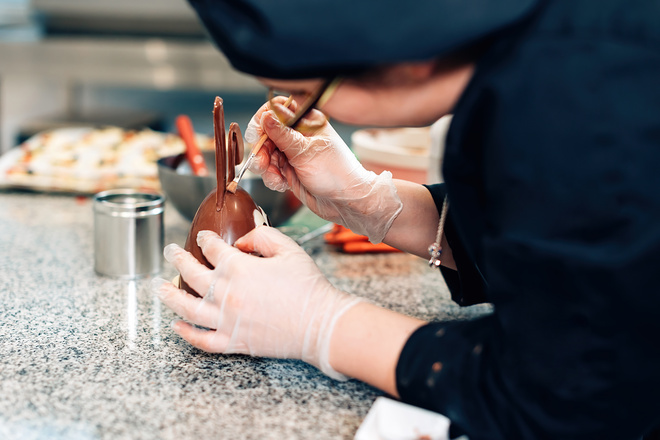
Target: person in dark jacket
{"type": "Point", "coordinates": [550, 211]}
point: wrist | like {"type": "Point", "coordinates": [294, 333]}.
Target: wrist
{"type": "Point", "coordinates": [367, 343]}
{"type": "Point", "coordinates": [321, 325]}
{"type": "Point", "coordinates": [373, 212]}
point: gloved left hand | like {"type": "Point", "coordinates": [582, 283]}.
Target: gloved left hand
{"type": "Point", "coordinates": [278, 305]}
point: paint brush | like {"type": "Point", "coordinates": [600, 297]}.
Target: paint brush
{"type": "Point", "coordinates": [233, 185]}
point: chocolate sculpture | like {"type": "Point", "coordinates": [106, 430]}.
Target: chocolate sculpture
{"type": "Point", "coordinates": [230, 215]}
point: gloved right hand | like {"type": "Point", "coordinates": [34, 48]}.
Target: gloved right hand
{"type": "Point", "coordinates": [322, 171]}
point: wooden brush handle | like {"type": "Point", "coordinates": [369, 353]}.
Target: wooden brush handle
{"type": "Point", "coordinates": [233, 185]}
{"type": "Point", "coordinates": [260, 143]}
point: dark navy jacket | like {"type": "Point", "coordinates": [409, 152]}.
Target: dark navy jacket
{"type": "Point", "coordinates": [552, 169]}
{"type": "Point", "coordinates": [553, 173]}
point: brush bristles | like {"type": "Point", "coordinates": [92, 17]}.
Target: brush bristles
{"type": "Point", "coordinates": [232, 187]}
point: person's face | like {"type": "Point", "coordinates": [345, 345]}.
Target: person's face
{"type": "Point", "coordinates": [411, 94]}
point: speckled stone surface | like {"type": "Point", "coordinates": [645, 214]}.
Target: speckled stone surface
{"type": "Point", "coordinates": [87, 357]}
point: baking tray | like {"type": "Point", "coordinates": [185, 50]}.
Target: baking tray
{"type": "Point", "coordinates": [86, 160]}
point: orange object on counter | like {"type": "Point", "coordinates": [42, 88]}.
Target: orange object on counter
{"type": "Point", "coordinates": [353, 243]}
{"type": "Point", "coordinates": [339, 235]}
{"type": "Point", "coordinates": [360, 247]}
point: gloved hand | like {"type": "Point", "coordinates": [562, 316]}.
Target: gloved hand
{"type": "Point", "coordinates": [315, 163]}
{"type": "Point", "coordinates": [279, 306]}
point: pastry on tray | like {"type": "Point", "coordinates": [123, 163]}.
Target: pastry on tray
{"type": "Point", "coordinates": [89, 160]}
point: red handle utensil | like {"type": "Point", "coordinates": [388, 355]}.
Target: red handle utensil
{"type": "Point", "coordinates": [193, 153]}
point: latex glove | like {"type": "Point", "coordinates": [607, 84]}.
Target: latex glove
{"type": "Point", "coordinates": [279, 306]}
{"type": "Point", "coordinates": [322, 172]}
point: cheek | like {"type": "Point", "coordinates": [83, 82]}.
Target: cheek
{"type": "Point", "coordinates": [368, 115]}
{"type": "Point", "coordinates": [354, 109]}
{"type": "Point", "coordinates": [368, 108]}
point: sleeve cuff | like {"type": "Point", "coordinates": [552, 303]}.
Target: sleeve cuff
{"type": "Point", "coordinates": [466, 285]}
{"type": "Point", "coordinates": [441, 364]}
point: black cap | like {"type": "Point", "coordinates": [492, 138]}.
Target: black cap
{"type": "Point", "coordinates": [289, 39]}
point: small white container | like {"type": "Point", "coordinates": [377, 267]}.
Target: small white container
{"type": "Point", "coordinates": [403, 151]}
{"type": "Point", "coordinates": [438, 137]}
{"type": "Point", "coordinates": [411, 153]}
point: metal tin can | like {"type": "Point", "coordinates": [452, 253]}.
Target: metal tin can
{"type": "Point", "coordinates": [128, 233]}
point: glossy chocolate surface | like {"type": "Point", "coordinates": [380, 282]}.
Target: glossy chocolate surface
{"type": "Point", "coordinates": [238, 216]}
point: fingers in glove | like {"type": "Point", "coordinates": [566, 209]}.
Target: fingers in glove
{"type": "Point", "coordinates": [207, 340]}
{"type": "Point", "coordinates": [287, 140]}
{"type": "Point", "coordinates": [198, 276]}
{"type": "Point", "coordinates": [190, 308]}
{"type": "Point", "coordinates": [308, 125]}
{"type": "Point", "coordinates": [254, 129]}
{"type": "Point", "coordinates": [273, 177]}
{"type": "Point", "coordinates": [261, 161]}
{"type": "Point", "coordinates": [275, 181]}
{"type": "Point", "coordinates": [225, 258]}
{"type": "Point", "coordinates": [265, 241]}
{"type": "Point", "coordinates": [281, 111]}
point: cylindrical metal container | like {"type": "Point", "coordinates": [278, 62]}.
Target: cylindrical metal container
{"type": "Point", "coordinates": [128, 233]}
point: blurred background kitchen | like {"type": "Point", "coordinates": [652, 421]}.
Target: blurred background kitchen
{"type": "Point", "coordinates": [122, 62]}
{"type": "Point", "coordinates": [135, 64]}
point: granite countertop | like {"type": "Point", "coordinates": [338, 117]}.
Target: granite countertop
{"type": "Point", "coordinates": [88, 357]}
